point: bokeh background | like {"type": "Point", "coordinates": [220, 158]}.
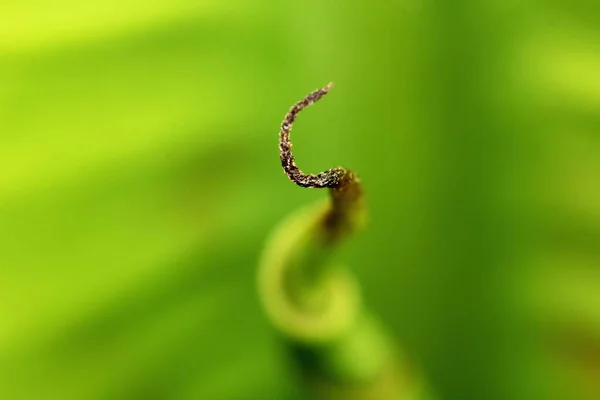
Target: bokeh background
{"type": "Point", "coordinates": [140, 177]}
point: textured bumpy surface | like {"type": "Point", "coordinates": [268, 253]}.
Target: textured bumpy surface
{"type": "Point", "coordinates": [330, 178]}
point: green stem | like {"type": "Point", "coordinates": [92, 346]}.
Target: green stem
{"type": "Point", "coordinates": [314, 303]}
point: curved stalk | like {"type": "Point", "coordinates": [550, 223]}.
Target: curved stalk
{"type": "Point", "coordinates": [315, 304]}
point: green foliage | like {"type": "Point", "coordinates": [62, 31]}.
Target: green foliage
{"type": "Point", "coordinates": [140, 179]}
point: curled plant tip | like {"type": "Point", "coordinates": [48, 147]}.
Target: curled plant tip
{"type": "Point", "coordinates": [331, 178]}
{"type": "Point", "coordinates": [341, 350]}
{"type": "Point", "coordinates": [347, 206]}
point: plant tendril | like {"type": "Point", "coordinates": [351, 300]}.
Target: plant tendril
{"type": "Point", "coordinates": [347, 201]}
{"type": "Point", "coordinates": [331, 178]}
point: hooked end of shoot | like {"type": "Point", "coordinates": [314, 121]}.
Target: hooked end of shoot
{"type": "Point", "coordinates": [345, 187]}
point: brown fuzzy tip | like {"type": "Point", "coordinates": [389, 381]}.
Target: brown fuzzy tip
{"type": "Point", "coordinates": [327, 179]}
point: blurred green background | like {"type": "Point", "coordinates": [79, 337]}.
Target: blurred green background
{"type": "Point", "coordinates": [140, 177]}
